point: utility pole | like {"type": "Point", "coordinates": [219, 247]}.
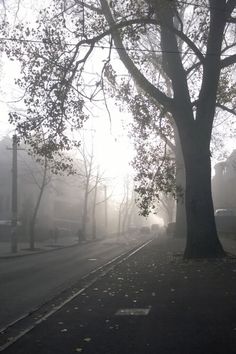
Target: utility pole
{"type": "Point", "coordinates": [14, 212]}
{"type": "Point", "coordinates": [105, 197]}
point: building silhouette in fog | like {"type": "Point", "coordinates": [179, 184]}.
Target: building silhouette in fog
{"type": "Point", "coordinates": [61, 206]}
{"type": "Point", "coordinates": [59, 201]}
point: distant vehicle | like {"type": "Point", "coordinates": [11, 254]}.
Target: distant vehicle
{"type": "Point", "coordinates": [132, 230]}
{"type": "Point", "coordinates": [224, 212]}
{"type": "Point", "coordinates": [145, 230]}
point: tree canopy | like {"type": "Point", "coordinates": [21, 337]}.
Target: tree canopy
{"type": "Point", "coordinates": [191, 43]}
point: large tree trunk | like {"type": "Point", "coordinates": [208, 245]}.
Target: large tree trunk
{"type": "Point", "coordinates": [202, 238]}
{"type": "Point", "coordinates": [181, 227]}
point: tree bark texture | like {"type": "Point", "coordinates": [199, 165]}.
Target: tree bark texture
{"type": "Point", "coordinates": [181, 227]}
{"type": "Point", "coordinates": [202, 238]}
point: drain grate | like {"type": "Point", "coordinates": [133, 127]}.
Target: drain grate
{"type": "Point", "coordinates": [133, 312]}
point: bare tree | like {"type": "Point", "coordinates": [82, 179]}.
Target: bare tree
{"type": "Point", "coordinates": [45, 180]}
{"type": "Point", "coordinates": [90, 177]}
{"type": "Point", "coordinates": [125, 206]}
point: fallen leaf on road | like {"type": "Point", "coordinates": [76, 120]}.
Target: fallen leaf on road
{"type": "Point", "coordinates": [87, 339]}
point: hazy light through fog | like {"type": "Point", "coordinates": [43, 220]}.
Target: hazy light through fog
{"type": "Point", "coordinates": [113, 150]}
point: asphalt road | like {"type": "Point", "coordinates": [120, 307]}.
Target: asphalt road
{"type": "Point", "coordinates": [27, 282]}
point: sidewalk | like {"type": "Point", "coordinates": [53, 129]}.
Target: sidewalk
{"type": "Point", "coordinates": [152, 303]}
{"type": "Point", "coordinates": [48, 245]}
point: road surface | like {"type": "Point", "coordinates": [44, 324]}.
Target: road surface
{"type": "Point", "coordinates": [27, 282]}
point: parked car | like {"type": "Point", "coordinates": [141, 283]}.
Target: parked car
{"type": "Point", "coordinates": [224, 212]}
{"type": "Point", "coordinates": [132, 230]}
{"type": "Point", "coordinates": [226, 222]}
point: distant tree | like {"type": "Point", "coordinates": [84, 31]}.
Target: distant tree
{"type": "Point", "coordinates": [94, 205]}
{"type": "Point", "coordinates": [100, 199]}
{"type": "Point", "coordinates": [165, 209]}
{"type": "Point", "coordinates": [89, 177]}
{"type": "Point", "coordinates": [41, 170]}
{"type": "Point", "coordinates": [126, 206]}
{"type": "Point", "coordinates": [45, 180]}
{"type": "Point", "coordinates": [120, 213]}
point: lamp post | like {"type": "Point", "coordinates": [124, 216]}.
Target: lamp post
{"type": "Point", "coordinates": [14, 211]}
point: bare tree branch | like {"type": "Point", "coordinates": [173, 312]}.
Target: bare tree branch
{"type": "Point", "coordinates": [231, 4]}
{"type": "Point", "coordinates": [228, 61]}
{"type": "Point", "coordinates": [227, 109]}
{"type": "Point", "coordinates": [232, 20]}
{"type": "Point", "coordinates": [135, 72]}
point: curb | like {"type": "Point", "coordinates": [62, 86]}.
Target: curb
{"type": "Point", "coordinates": [17, 255]}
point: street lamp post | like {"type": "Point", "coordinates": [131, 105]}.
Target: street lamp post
{"type": "Point", "coordinates": [14, 211]}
